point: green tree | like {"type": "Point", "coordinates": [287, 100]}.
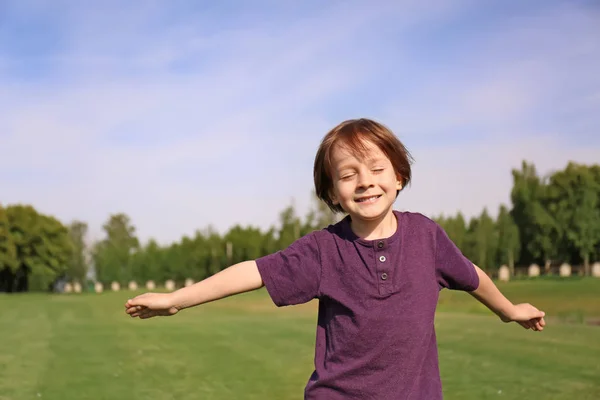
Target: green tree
{"type": "Point", "coordinates": [173, 265]}
{"type": "Point", "coordinates": [290, 225]}
{"type": "Point", "coordinates": [456, 228]}
{"type": "Point", "coordinates": [42, 245]}
{"type": "Point", "coordinates": [537, 226]}
{"type": "Point", "coordinates": [470, 246]}
{"type": "Point", "coordinates": [509, 243]}
{"type": "Point", "coordinates": [575, 194]}
{"type": "Point", "coordinates": [244, 243]}
{"type": "Point", "coordinates": [546, 231]}
{"type": "Point", "coordinates": [8, 254]}
{"type": "Point", "coordinates": [216, 257]}
{"type": "Point", "coordinates": [269, 242]}
{"type": "Point", "coordinates": [78, 264]}
{"type": "Point", "coordinates": [113, 255]}
{"type": "Point", "coordinates": [189, 260]}
{"type": "Point", "coordinates": [310, 223]}
{"type": "Point", "coordinates": [486, 241]}
{"type": "Point", "coordinates": [595, 171]}
{"type": "Point", "coordinates": [323, 214]}
{"type": "Point", "coordinates": [147, 262]}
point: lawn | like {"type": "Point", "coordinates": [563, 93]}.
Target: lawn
{"type": "Point", "coordinates": [84, 347]}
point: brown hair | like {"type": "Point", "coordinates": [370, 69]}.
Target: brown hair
{"type": "Point", "coordinates": [353, 133]}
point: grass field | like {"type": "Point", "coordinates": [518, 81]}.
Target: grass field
{"type": "Point", "coordinates": [84, 347]}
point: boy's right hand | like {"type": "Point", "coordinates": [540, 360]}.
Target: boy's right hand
{"type": "Point", "coordinates": [150, 305]}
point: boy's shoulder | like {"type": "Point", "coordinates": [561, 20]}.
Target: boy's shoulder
{"type": "Point", "coordinates": [416, 220]}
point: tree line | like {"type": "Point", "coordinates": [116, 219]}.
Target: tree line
{"type": "Point", "coordinates": [553, 219]}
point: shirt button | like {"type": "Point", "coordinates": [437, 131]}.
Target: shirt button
{"type": "Point", "coordinates": [383, 276]}
{"type": "Point", "coordinates": [382, 258]}
{"type": "Point", "coordinates": [380, 245]}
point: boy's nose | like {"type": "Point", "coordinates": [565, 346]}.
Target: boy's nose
{"type": "Point", "coordinates": [365, 180]}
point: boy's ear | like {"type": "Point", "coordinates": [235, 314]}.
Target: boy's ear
{"type": "Point", "coordinates": [399, 183]}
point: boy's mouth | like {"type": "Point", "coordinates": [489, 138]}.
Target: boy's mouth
{"type": "Point", "coordinates": [368, 199]}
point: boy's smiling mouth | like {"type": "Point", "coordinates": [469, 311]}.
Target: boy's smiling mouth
{"type": "Point", "coordinates": [367, 199]}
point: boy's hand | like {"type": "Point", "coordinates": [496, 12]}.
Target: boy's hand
{"type": "Point", "coordinates": [150, 305]}
{"type": "Point", "coordinates": [527, 316]}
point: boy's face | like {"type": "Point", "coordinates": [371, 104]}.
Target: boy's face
{"type": "Point", "coordinates": [364, 187]}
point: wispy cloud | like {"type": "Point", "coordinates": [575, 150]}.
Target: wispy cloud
{"type": "Point", "coordinates": [182, 117]}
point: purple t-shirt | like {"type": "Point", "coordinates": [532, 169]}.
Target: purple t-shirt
{"type": "Point", "coordinates": [377, 300]}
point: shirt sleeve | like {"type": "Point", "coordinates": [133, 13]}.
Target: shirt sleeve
{"type": "Point", "coordinates": [454, 270]}
{"type": "Point", "coordinates": [293, 275]}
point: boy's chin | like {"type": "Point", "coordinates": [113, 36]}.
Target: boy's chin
{"type": "Point", "coordinates": [370, 215]}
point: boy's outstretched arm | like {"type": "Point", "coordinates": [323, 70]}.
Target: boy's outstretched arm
{"type": "Point", "coordinates": [525, 314]}
{"type": "Point", "coordinates": [238, 278]}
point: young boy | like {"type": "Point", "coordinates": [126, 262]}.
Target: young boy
{"type": "Point", "coordinates": [377, 275]}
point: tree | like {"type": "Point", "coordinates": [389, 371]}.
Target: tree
{"type": "Point", "coordinates": [173, 263]}
{"type": "Point", "coordinates": [537, 227]}
{"type": "Point", "coordinates": [470, 248]}
{"type": "Point", "coordinates": [147, 262]}
{"type": "Point", "coordinates": [289, 230]}
{"type": "Point", "coordinates": [78, 264]}
{"type": "Point", "coordinates": [456, 228]}
{"type": "Point", "coordinates": [190, 258]}
{"type": "Point", "coordinates": [269, 242]}
{"type": "Point", "coordinates": [575, 193]}
{"type": "Point", "coordinates": [509, 243]}
{"type": "Point", "coordinates": [486, 241]}
{"type": "Point", "coordinates": [546, 231]}
{"type": "Point", "coordinates": [42, 245]}
{"type": "Point", "coordinates": [113, 255]}
{"type": "Point", "coordinates": [8, 254]}
{"type": "Point", "coordinates": [215, 252]}
{"type": "Point", "coordinates": [595, 171]}
{"type": "Point", "coordinates": [323, 214]}
{"type": "Point", "coordinates": [245, 243]}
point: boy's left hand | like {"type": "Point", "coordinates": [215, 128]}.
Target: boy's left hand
{"type": "Point", "coordinates": [527, 316]}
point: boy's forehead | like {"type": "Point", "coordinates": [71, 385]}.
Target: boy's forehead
{"type": "Point", "coordinates": [365, 151]}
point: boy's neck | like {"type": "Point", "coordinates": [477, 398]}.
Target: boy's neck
{"type": "Point", "coordinates": [381, 228]}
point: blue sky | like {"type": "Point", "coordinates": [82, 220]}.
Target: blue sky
{"type": "Point", "coordinates": [182, 114]}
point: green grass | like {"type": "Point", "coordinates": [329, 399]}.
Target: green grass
{"type": "Point", "coordinates": [573, 300]}
{"type": "Point", "coordinates": [85, 347]}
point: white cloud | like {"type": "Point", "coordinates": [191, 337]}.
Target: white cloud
{"type": "Point", "coordinates": [231, 139]}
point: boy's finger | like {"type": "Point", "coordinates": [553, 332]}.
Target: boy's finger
{"type": "Point", "coordinates": [531, 324]}
{"type": "Point", "coordinates": [538, 326]}
{"type": "Point", "coordinates": [134, 309]}
{"type": "Point", "coordinates": [524, 324]}
{"type": "Point", "coordinates": [137, 300]}
{"type": "Point", "coordinates": [131, 303]}
{"type": "Point", "coordinates": [535, 313]}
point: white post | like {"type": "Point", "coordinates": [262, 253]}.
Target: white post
{"type": "Point", "coordinates": [534, 270]}
{"type": "Point", "coordinates": [565, 270]}
{"type": "Point", "coordinates": [504, 273]}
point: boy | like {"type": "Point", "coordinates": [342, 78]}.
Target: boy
{"type": "Point", "coordinates": [377, 275]}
